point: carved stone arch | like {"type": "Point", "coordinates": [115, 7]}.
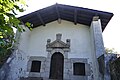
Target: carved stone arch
{"type": "Point", "coordinates": [57, 50]}
{"type": "Point", "coordinates": [65, 54]}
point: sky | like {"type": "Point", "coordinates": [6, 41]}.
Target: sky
{"type": "Point", "coordinates": [111, 34]}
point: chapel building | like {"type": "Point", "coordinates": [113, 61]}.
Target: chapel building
{"type": "Point", "coordinates": [65, 44]}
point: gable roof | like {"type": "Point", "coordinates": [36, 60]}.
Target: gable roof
{"type": "Point", "coordinates": [65, 12]}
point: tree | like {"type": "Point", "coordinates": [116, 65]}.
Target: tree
{"type": "Point", "coordinates": [115, 69]}
{"type": "Point", "coordinates": [8, 11]}
{"type": "Point", "coordinates": [110, 50]}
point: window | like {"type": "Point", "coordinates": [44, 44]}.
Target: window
{"type": "Point", "coordinates": [79, 69]}
{"type": "Point", "coordinates": [35, 67]}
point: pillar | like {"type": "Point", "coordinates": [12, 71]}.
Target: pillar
{"type": "Point", "coordinates": [97, 36]}
{"type": "Point", "coordinates": [98, 47]}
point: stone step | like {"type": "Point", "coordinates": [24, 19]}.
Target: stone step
{"type": "Point", "coordinates": [37, 78]}
{"type": "Point", "coordinates": [31, 78]}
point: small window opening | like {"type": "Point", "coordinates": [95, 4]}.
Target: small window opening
{"type": "Point", "coordinates": [36, 65]}
{"type": "Point", "coordinates": [79, 68]}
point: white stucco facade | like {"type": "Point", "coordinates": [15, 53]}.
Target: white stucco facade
{"type": "Point", "coordinates": [79, 35]}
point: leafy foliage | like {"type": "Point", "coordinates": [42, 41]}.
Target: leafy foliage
{"type": "Point", "coordinates": [115, 69]}
{"type": "Point", "coordinates": [8, 11]}
{"type": "Point", "coordinates": [110, 50]}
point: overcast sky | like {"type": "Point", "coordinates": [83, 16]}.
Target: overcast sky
{"type": "Point", "coordinates": [111, 34]}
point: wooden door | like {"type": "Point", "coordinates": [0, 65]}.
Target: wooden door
{"type": "Point", "coordinates": [56, 66]}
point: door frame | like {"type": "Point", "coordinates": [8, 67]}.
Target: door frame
{"type": "Point", "coordinates": [65, 53]}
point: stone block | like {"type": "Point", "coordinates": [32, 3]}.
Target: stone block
{"type": "Point", "coordinates": [79, 77]}
{"type": "Point", "coordinates": [45, 74]}
{"type": "Point", "coordinates": [66, 76]}
{"type": "Point", "coordinates": [67, 65]}
{"type": "Point", "coordinates": [34, 74]}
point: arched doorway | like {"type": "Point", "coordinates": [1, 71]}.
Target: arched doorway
{"type": "Point", "coordinates": [56, 66]}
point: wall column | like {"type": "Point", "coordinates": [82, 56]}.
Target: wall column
{"type": "Point", "coordinates": [98, 47]}
{"type": "Point", "coordinates": [97, 35]}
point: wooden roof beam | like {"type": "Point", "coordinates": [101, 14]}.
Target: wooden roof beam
{"type": "Point", "coordinates": [58, 14]}
{"type": "Point", "coordinates": [39, 16]}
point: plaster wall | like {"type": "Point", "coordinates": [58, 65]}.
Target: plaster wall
{"type": "Point", "coordinates": [24, 40]}
{"type": "Point", "coordinates": [79, 35]}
